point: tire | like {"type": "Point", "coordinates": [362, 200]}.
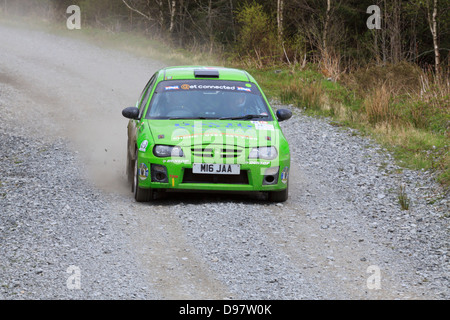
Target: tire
{"type": "Point", "coordinates": [140, 194]}
{"type": "Point", "coordinates": [129, 168]}
{"type": "Point", "coordinates": [279, 196]}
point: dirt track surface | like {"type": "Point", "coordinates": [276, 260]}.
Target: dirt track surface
{"type": "Point", "coordinates": [341, 221]}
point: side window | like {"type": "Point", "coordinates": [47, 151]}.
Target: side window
{"type": "Point", "coordinates": [138, 104]}
{"type": "Point", "coordinates": [145, 95]}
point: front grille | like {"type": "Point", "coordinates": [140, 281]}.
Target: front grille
{"type": "Point", "coordinates": [190, 177]}
{"type": "Point", "coordinates": [220, 151]}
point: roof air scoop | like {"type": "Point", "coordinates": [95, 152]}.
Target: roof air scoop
{"type": "Point", "coordinates": [206, 73]}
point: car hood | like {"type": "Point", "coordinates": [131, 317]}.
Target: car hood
{"type": "Point", "coordinates": [196, 132]}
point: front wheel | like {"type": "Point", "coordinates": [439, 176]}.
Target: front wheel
{"type": "Point", "coordinates": [140, 194]}
{"type": "Point", "coordinates": [279, 196]}
{"type": "Point", "coordinates": [129, 168]}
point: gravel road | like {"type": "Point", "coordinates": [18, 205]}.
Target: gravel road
{"type": "Point", "coordinates": [70, 228]}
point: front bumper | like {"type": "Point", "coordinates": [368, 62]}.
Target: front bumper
{"type": "Point", "coordinates": [258, 175]}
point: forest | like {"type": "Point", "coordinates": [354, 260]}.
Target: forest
{"type": "Point", "coordinates": [271, 31]}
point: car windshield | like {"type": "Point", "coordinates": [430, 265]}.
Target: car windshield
{"type": "Point", "coordinates": [208, 99]}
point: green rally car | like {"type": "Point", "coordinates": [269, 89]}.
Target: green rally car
{"type": "Point", "coordinates": [206, 128]}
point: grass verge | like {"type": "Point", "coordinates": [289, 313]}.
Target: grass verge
{"type": "Point", "coordinates": [409, 118]}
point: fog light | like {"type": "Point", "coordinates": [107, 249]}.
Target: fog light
{"type": "Point", "coordinates": [159, 173]}
{"type": "Point", "coordinates": [271, 176]}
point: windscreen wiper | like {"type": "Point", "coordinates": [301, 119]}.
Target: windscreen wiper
{"type": "Point", "coordinates": [190, 118]}
{"type": "Point", "coordinates": [246, 117]}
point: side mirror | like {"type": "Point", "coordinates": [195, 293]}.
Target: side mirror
{"type": "Point", "coordinates": [131, 113]}
{"type": "Point", "coordinates": [283, 114]}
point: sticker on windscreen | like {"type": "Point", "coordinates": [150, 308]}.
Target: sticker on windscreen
{"type": "Point", "coordinates": [263, 125]}
{"type": "Point", "coordinates": [216, 86]}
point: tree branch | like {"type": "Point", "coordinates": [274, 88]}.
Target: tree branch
{"type": "Point", "coordinates": [137, 11]}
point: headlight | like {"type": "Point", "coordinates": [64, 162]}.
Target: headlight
{"type": "Point", "coordinates": [167, 151]}
{"type": "Point", "coordinates": [267, 153]}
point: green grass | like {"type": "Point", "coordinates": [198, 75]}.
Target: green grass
{"type": "Point", "coordinates": [414, 130]}
{"type": "Point", "coordinates": [403, 198]}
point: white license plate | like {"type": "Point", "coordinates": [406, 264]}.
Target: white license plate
{"type": "Point", "coordinates": [216, 168]}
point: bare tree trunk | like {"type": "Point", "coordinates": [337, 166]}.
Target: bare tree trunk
{"type": "Point", "coordinates": [376, 49]}
{"type": "Point", "coordinates": [233, 26]}
{"type": "Point", "coordinates": [383, 33]}
{"type": "Point", "coordinates": [182, 19]}
{"type": "Point", "coordinates": [210, 29]}
{"type": "Point", "coordinates": [280, 5]}
{"type": "Point", "coordinates": [172, 10]}
{"type": "Point", "coordinates": [432, 20]}
{"type": "Point", "coordinates": [280, 27]}
{"type": "Point", "coordinates": [396, 41]}
{"type": "Point", "coordinates": [413, 40]}
{"type": "Point", "coordinates": [161, 16]}
{"type": "Point", "coordinates": [325, 28]}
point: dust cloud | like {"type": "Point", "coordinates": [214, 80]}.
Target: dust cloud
{"type": "Point", "coordinates": [76, 91]}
